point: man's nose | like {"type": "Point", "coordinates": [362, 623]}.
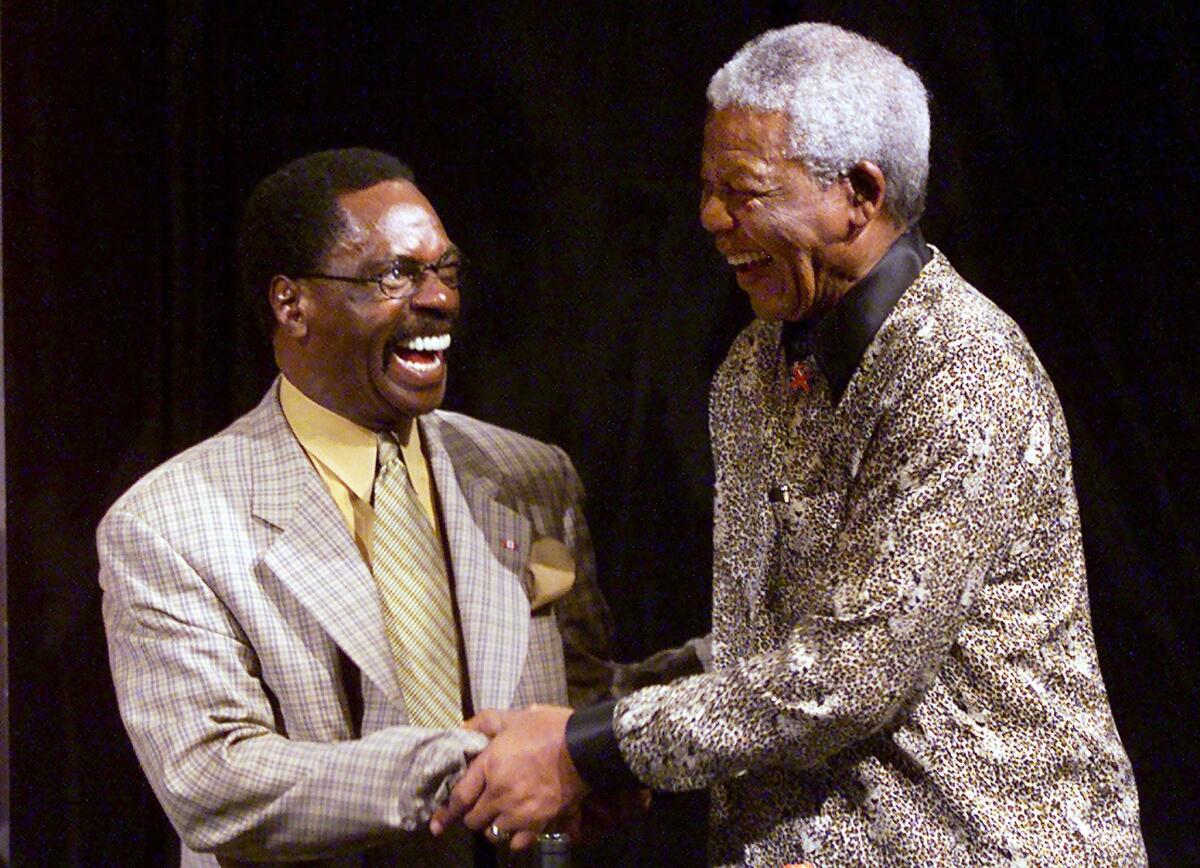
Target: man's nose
{"type": "Point", "coordinates": [714, 216]}
{"type": "Point", "coordinates": [434, 296]}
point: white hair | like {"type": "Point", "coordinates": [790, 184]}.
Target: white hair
{"type": "Point", "coordinates": [846, 98]}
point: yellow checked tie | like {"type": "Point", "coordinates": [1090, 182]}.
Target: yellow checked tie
{"type": "Point", "coordinates": [418, 614]}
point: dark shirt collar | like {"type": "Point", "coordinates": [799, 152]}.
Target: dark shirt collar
{"type": "Point", "coordinates": [839, 339]}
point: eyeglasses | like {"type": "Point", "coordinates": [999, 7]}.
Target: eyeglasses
{"type": "Point", "coordinates": [405, 275]}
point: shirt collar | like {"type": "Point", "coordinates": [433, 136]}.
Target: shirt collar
{"type": "Point", "coordinates": [839, 339]}
{"type": "Point", "coordinates": [346, 448]}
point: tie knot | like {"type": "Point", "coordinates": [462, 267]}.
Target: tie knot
{"type": "Point", "coordinates": [389, 451]}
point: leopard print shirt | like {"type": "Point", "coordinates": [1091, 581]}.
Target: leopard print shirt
{"type": "Point", "coordinates": [905, 672]}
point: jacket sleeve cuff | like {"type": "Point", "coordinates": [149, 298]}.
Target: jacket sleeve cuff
{"type": "Point", "coordinates": [594, 751]}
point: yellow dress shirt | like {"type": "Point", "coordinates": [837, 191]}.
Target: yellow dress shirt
{"type": "Point", "coordinates": [344, 453]}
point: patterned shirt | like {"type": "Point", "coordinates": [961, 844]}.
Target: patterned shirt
{"type": "Point", "coordinates": [904, 666]}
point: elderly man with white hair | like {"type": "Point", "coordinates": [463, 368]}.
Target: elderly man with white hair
{"type": "Point", "coordinates": [903, 667]}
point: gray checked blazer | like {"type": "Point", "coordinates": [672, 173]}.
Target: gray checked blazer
{"type": "Point", "coordinates": [248, 650]}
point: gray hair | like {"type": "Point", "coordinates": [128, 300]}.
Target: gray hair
{"type": "Point", "coordinates": [847, 99]}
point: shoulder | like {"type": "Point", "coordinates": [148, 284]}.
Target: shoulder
{"type": "Point", "coordinates": [216, 472]}
{"type": "Point", "coordinates": [951, 361]}
{"type": "Point", "coordinates": [512, 460]}
{"type": "Point", "coordinates": [945, 327]}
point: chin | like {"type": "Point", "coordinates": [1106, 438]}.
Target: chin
{"type": "Point", "coordinates": [775, 310]}
{"type": "Point", "coordinates": [776, 303]}
{"type": "Point", "coordinates": [401, 402]}
{"type": "Point", "coordinates": [419, 405]}
{"type": "Point", "coordinates": [400, 415]}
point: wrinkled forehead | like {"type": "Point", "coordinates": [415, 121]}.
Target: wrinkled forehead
{"type": "Point", "coordinates": [743, 136]}
{"type": "Point", "coordinates": [390, 219]}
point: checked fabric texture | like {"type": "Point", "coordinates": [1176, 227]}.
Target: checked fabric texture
{"type": "Point", "coordinates": [414, 589]}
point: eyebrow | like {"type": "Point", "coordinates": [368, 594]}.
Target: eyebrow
{"type": "Point", "coordinates": [736, 166]}
{"type": "Point", "coordinates": [450, 253]}
{"type": "Point", "coordinates": [746, 166]}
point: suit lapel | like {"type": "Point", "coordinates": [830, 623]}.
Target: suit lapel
{"type": "Point", "coordinates": [489, 548]}
{"type": "Point", "coordinates": [312, 552]}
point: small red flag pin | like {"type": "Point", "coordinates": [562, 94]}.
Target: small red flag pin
{"type": "Point", "coordinates": [799, 381]}
{"type": "Point", "coordinates": [510, 544]}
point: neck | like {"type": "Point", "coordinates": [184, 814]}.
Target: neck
{"type": "Point", "coordinates": [873, 243]}
{"type": "Point", "coordinates": [854, 262]}
{"type": "Point", "coordinates": [403, 429]}
{"type": "Point", "coordinates": [321, 391]}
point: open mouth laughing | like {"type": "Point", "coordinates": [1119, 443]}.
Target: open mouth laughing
{"type": "Point", "coordinates": [748, 260]}
{"type": "Point", "coordinates": [422, 356]}
{"type": "Point", "coordinates": [753, 269]}
{"type": "Point", "coordinates": [758, 273]}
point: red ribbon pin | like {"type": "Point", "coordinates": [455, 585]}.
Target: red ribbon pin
{"type": "Point", "coordinates": [799, 380]}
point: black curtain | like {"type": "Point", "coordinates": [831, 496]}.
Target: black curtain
{"type": "Point", "coordinates": [560, 143]}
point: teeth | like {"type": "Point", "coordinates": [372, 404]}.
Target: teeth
{"type": "Point", "coordinates": [421, 367]}
{"type": "Point", "coordinates": [427, 343]}
{"type": "Point", "coordinates": [740, 259]}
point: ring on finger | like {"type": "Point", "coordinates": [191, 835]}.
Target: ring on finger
{"type": "Point", "coordinates": [497, 835]}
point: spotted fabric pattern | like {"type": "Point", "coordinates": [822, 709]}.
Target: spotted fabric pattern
{"type": "Point", "coordinates": [904, 666]}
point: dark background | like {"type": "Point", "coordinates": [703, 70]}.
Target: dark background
{"type": "Point", "coordinates": [560, 144]}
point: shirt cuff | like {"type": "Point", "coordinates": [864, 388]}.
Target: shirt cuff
{"type": "Point", "coordinates": [594, 751]}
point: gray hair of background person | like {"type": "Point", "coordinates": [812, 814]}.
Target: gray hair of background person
{"type": "Point", "coordinates": [847, 98]}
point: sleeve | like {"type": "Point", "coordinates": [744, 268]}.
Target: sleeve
{"type": "Point", "coordinates": [933, 502]}
{"type": "Point", "coordinates": [590, 739]}
{"type": "Point", "coordinates": [584, 619]}
{"type": "Point", "coordinates": [211, 741]}
{"type": "Point", "coordinates": [691, 658]}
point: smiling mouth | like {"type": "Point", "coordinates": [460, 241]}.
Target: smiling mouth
{"type": "Point", "coordinates": [421, 355]}
{"type": "Point", "coordinates": [748, 260]}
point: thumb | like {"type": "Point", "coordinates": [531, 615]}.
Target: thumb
{"type": "Point", "coordinates": [491, 722]}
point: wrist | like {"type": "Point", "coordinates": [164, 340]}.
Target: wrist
{"type": "Point", "coordinates": [594, 751]}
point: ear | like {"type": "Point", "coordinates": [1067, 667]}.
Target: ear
{"type": "Point", "coordinates": [284, 296]}
{"type": "Point", "coordinates": [865, 187]}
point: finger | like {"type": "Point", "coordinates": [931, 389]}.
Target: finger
{"type": "Point", "coordinates": [525, 838]}
{"type": "Point", "coordinates": [491, 722]}
{"type": "Point", "coordinates": [464, 795]}
{"type": "Point", "coordinates": [482, 813]}
{"type": "Point", "coordinates": [496, 836]}
{"type": "Point", "coordinates": [483, 810]}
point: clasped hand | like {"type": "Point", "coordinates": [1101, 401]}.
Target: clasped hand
{"type": "Point", "coordinates": [521, 782]}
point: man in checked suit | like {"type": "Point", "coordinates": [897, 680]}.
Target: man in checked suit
{"type": "Point", "coordinates": [293, 656]}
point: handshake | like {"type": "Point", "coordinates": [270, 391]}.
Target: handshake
{"type": "Point", "coordinates": [524, 783]}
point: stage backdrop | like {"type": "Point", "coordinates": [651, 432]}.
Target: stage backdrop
{"type": "Point", "coordinates": [559, 142]}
